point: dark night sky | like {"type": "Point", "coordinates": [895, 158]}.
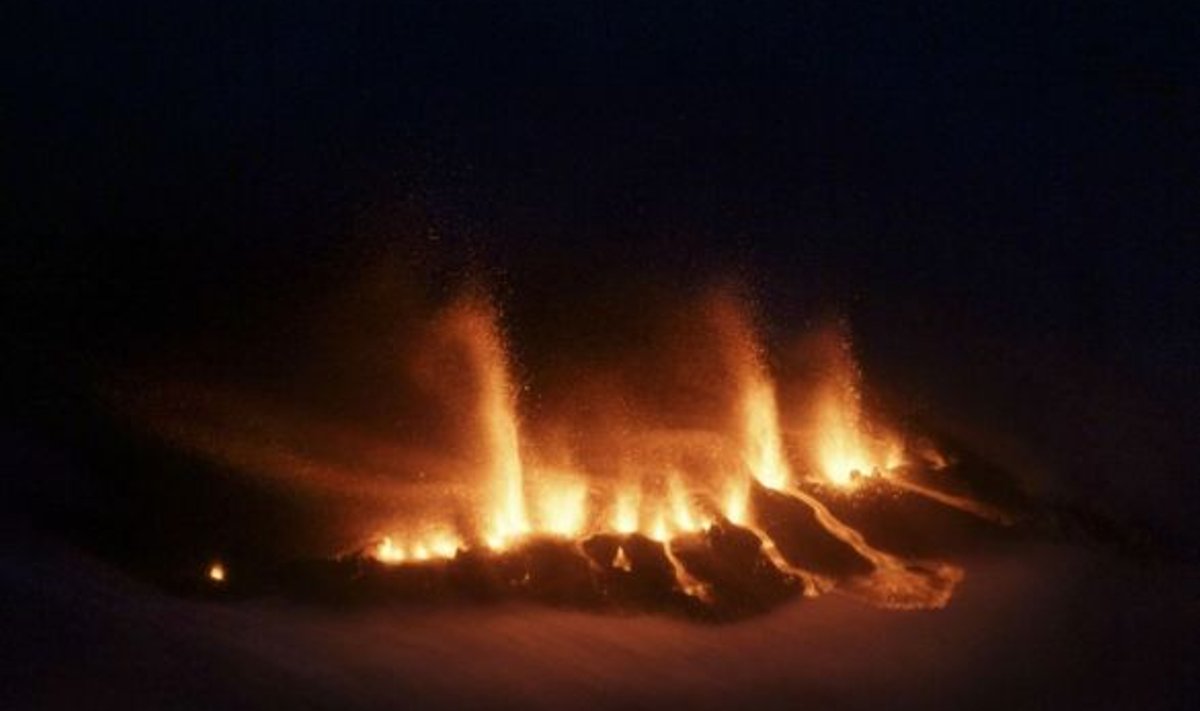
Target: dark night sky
{"type": "Point", "coordinates": [1022, 173]}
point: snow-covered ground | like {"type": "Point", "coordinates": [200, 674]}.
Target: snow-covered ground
{"type": "Point", "coordinates": [1037, 626]}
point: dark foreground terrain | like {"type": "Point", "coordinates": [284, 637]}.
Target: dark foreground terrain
{"type": "Point", "coordinates": [1042, 626]}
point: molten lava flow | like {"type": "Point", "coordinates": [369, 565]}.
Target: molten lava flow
{"type": "Point", "coordinates": [813, 584]}
{"type": "Point", "coordinates": [896, 583]}
{"type": "Point", "coordinates": [962, 503]}
{"type": "Point", "coordinates": [690, 584]}
{"type": "Point", "coordinates": [845, 450]}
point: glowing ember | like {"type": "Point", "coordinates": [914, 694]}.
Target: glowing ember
{"type": "Point", "coordinates": [621, 561]}
{"type": "Point", "coordinates": [895, 583]}
{"type": "Point", "coordinates": [216, 572]}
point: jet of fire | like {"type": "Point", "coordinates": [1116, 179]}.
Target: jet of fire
{"type": "Point", "coordinates": [475, 320]}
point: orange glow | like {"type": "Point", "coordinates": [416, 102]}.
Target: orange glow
{"type": "Point", "coordinates": [756, 411]}
{"type": "Point", "coordinates": [737, 503]}
{"type": "Point", "coordinates": [443, 545]}
{"type": "Point", "coordinates": [437, 544]}
{"type": "Point", "coordinates": [475, 321]}
{"type": "Point", "coordinates": [388, 552]}
{"type": "Point", "coordinates": [658, 529]}
{"type": "Point", "coordinates": [896, 583]}
{"type": "Point", "coordinates": [763, 445]}
{"type": "Point", "coordinates": [843, 445]}
{"type": "Point", "coordinates": [841, 449]}
{"type": "Point", "coordinates": [561, 505]}
{"type": "Point", "coordinates": [621, 561]}
{"type": "Point", "coordinates": [684, 518]}
{"type": "Point", "coordinates": [625, 511]}
{"type": "Point", "coordinates": [722, 421]}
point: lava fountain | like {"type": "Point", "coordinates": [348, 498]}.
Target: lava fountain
{"type": "Point", "coordinates": [717, 510]}
{"type": "Point", "coordinates": [473, 327]}
{"type": "Point", "coordinates": [663, 510]}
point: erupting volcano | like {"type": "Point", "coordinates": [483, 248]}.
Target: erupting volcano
{"type": "Point", "coordinates": [548, 356]}
{"type": "Point", "coordinates": [697, 472]}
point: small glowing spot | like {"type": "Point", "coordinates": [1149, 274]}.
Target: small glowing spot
{"type": "Point", "coordinates": [216, 573]}
{"type": "Point", "coordinates": [622, 562]}
{"type": "Point", "coordinates": [420, 552]}
{"type": "Point", "coordinates": [933, 457]}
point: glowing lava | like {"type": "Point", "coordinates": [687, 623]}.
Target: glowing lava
{"type": "Point", "coordinates": [843, 445]}
{"type": "Point", "coordinates": [763, 444]}
{"type": "Point", "coordinates": [477, 321]}
{"type": "Point", "coordinates": [559, 500]}
{"type": "Point", "coordinates": [561, 504]}
{"type": "Point", "coordinates": [430, 546]}
{"type": "Point", "coordinates": [694, 461]}
{"type": "Point", "coordinates": [662, 509]}
{"type": "Point", "coordinates": [625, 510]}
